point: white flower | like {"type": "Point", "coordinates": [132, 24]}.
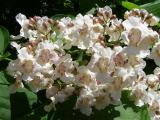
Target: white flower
{"type": "Point", "coordinates": [106, 11]}
{"type": "Point", "coordinates": [86, 78]}
{"type": "Point", "coordinates": [14, 68]}
{"type": "Point", "coordinates": [153, 101]}
{"type": "Point", "coordinates": [114, 29]}
{"type": "Point", "coordinates": [138, 34]}
{"type": "Point", "coordinates": [69, 89]}
{"type": "Point", "coordinates": [139, 92]}
{"type": "Point", "coordinates": [84, 33]}
{"type": "Point", "coordinates": [127, 75]}
{"type": "Point", "coordinates": [47, 57]}
{"type": "Point", "coordinates": [157, 71]}
{"type": "Point", "coordinates": [136, 62]}
{"type": "Point", "coordinates": [23, 54]}
{"type": "Point", "coordinates": [135, 51]}
{"type": "Point", "coordinates": [85, 101]}
{"type": "Point", "coordinates": [101, 95]}
{"type": "Point", "coordinates": [120, 57]}
{"type": "Point", "coordinates": [15, 86]}
{"type": "Point", "coordinates": [101, 63]}
{"type": "Point", "coordinates": [65, 68]}
{"type": "Point", "coordinates": [153, 21]}
{"type": "Point", "coordinates": [24, 22]}
{"type": "Point", "coordinates": [21, 19]}
{"type": "Point", "coordinates": [101, 58]}
{"type": "Point", "coordinates": [60, 96]}
{"type": "Point", "coordinates": [17, 46]}
{"type": "Point", "coordinates": [155, 54]}
{"type": "Point", "coordinates": [52, 91]}
{"type": "Point", "coordinates": [152, 81]}
{"type": "Point", "coordinates": [46, 52]}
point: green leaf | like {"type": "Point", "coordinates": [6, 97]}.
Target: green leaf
{"type": "Point", "coordinates": [21, 103]}
{"type": "Point", "coordinates": [127, 114]}
{"type": "Point", "coordinates": [130, 114]}
{"type": "Point", "coordinates": [17, 106]}
{"type": "Point", "coordinates": [3, 80]}
{"type": "Point", "coordinates": [91, 11]}
{"type": "Point", "coordinates": [80, 57]}
{"type": "Point", "coordinates": [4, 39]}
{"type": "Point", "coordinates": [5, 113]}
{"type": "Point", "coordinates": [144, 114]}
{"type": "Point", "coordinates": [153, 7]}
{"type": "Point", "coordinates": [129, 5]}
{"type": "Point", "coordinates": [129, 111]}
{"type": "Point", "coordinates": [5, 56]}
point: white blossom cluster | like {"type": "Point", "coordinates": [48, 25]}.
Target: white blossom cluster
{"type": "Point", "coordinates": [47, 60]}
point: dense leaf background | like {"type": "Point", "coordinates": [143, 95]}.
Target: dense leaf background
{"type": "Point", "coordinates": [26, 105]}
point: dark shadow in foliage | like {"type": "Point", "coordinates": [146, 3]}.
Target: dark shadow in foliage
{"type": "Point", "coordinates": [65, 111]}
{"type": "Point", "coordinates": [3, 64]}
{"type": "Point", "coordinates": [21, 110]}
{"type": "Point", "coordinates": [38, 108]}
{"type": "Point", "coordinates": [9, 79]}
{"type": "Point", "coordinates": [79, 55]}
{"type": "Point", "coordinates": [42, 97]}
{"type": "Point", "coordinates": [150, 66]}
{"type": "Point", "coordinates": [10, 8]}
{"type": "Point", "coordinates": [19, 105]}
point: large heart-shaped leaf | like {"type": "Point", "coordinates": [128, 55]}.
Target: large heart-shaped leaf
{"type": "Point", "coordinates": [22, 105]}
{"type": "Point", "coordinates": [129, 113]}
{"type": "Point", "coordinates": [5, 113]}
{"type": "Point", "coordinates": [153, 7]}
{"type": "Point", "coordinates": [4, 39]}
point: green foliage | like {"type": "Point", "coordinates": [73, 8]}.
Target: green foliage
{"type": "Point", "coordinates": [26, 105]}
{"type": "Point", "coordinates": [153, 7]}
{"type": "Point", "coordinates": [128, 111]}
{"type": "Point", "coordinates": [22, 105]}
{"type": "Point", "coordinates": [5, 112]}
{"type": "Point", "coordinates": [129, 5]}
{"type": "Point", "coordinates": [4, 39]}
{"type": "Point", "coordinates": [65, 111]}
{"type": "Point", "coordinates": [129, 114]}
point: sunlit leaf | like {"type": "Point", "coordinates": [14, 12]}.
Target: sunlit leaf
{"type": "Point", "coordinates": [153, 7]}
{"type": "Point", "coordinates": [129, 5]}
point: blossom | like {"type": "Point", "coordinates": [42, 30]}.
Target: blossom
{"type": "Point", "coordinates": [155, 53]}
{"type": "Point", "coordinates": [85, 101]}
{"type": "Point", "coordinates": [138, 36]}
{"type": "Point", "coordinates": [83, 33]}
{"type": "Point", "coordinates": [48, 59]}
{"type": "Point", "coordinates": [86, 77]}
{"type": "Point", "coordinates": [150, 19]}
{"type": "Point", "coordinates": [139, 92]}
{"type": "Point", "coordinates": [101, 63]}
{"type": "Point", "coordinates": [64, 69]}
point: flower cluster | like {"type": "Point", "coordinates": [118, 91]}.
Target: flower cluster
{"type": "Point", "coordinates": [73, 57]}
